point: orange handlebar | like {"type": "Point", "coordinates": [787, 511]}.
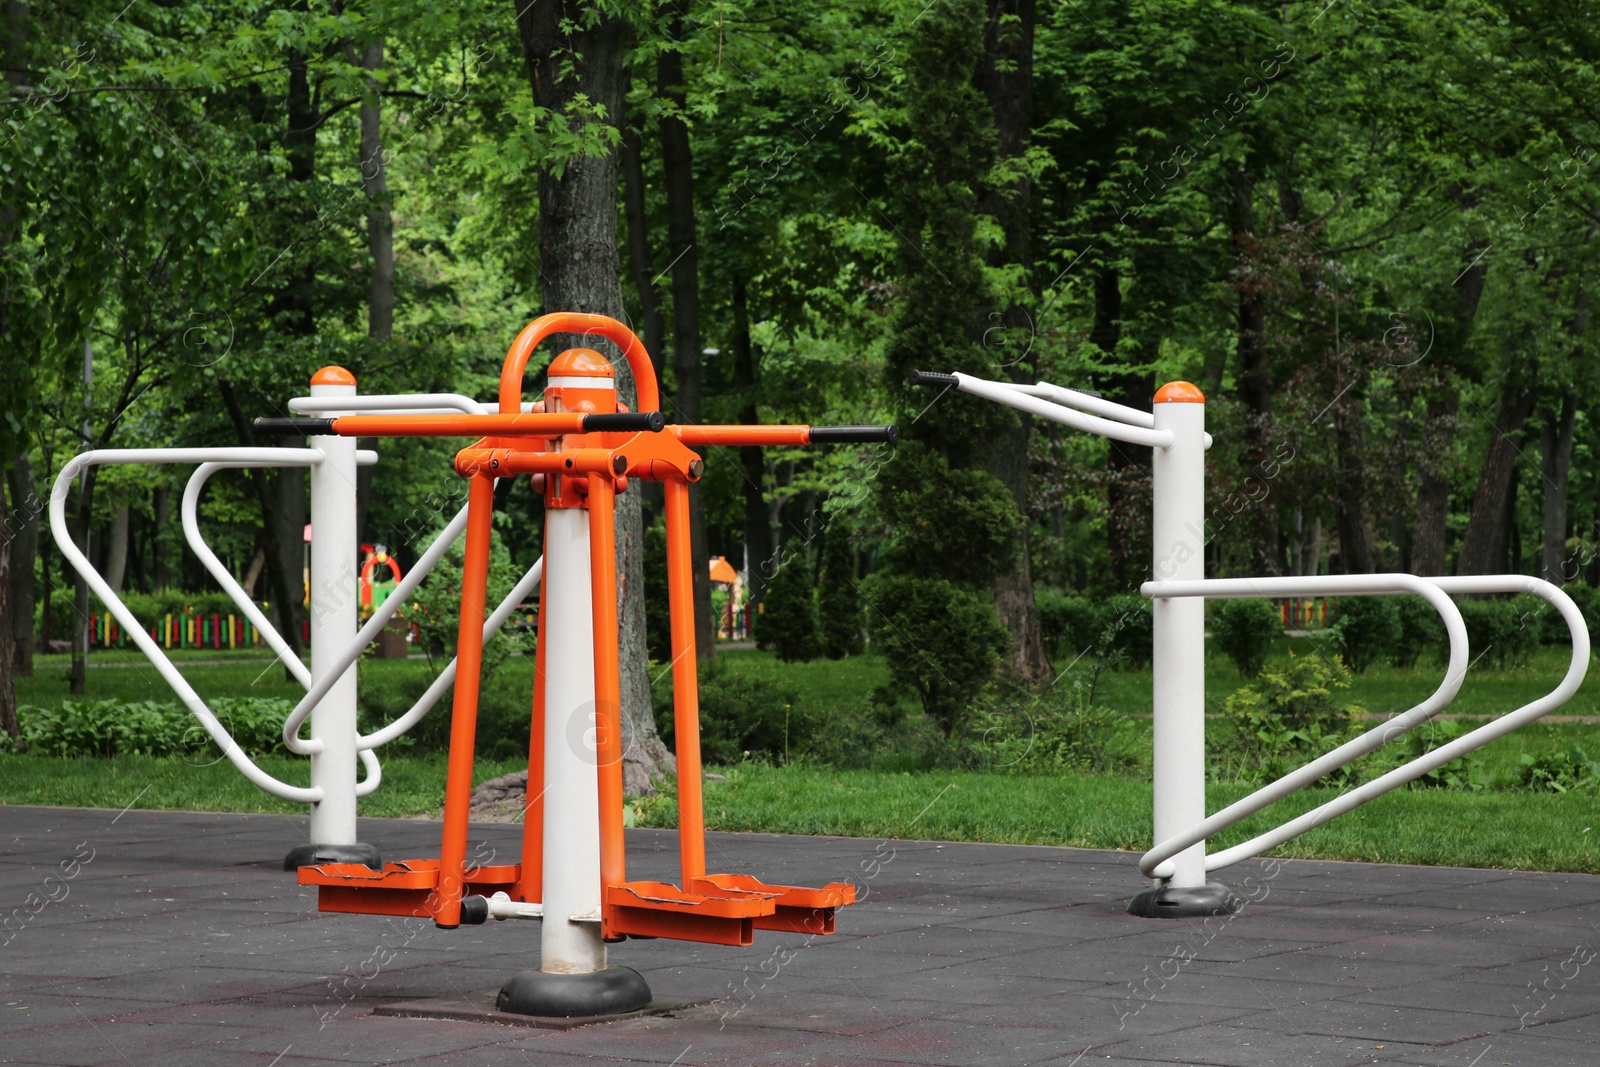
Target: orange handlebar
{"type": "Point", "coordinates": [633, 350]}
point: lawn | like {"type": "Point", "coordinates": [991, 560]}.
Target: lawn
{"type": "Point", "coordinates": [1495, 827]}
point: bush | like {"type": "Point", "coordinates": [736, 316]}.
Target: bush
{"type": "Point", "coordinates": [148, 728]}
{"type": "Point", "coordinates": [942, 642]}
{"type": "Point", "coordinates": [657, 601]}
{"type": "Point", "coordinates": [1072, 621]}
{"type": "Point", "coordinates": [1126, 632]}
{"type": "Point", "coordinates": [743, 717]}
{"type": "Point", "coordinates": [1462, 773]}
{"type": "Point", "coordinates": [1245, 631]}
{"type": "Point", "coordinates": [1503, 632]}
{"type": "Point", "coordinates": [1420, 627]}
{"type": "Point", "coordinates": [1288, 717]}
{"type": "Point", "coordinates": [1567, 771]}
{"type": "Point", "coordinates": [1060, 730]}
{"type": "Point", "coordinates": [1366, 627]}
{"type": "Point", "coordinates": [787, 624]}
{"type": "Point", "coordinates": [838, 600]}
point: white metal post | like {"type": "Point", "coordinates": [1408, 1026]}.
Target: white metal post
{"type": "Point", "coordinates": [1178, 531]}
{"type": "Point", "coordinates": [334, 610]}
{"type": "Point", "coordinates": [571, 799]}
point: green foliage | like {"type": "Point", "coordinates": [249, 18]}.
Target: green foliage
{"type": "Point", "coordinates": [1503, 632]}
{"type": "Point", "coordinates": [950, 523]}
{"type": "Point", "coordinates": [1420, 627]}
{"type": "Point", "coordinates": [838, 598]}
{"type": "Point", "coordinates": [1067, 623]}
{"type": "Point", "coordinates": [744, 717]}
{"type": "Point", "coordinates": [1289, 716]}
{"type": "Point", "coordinates": [657, 600]}
{"type": "Point", "coordinates": [787, 623]}
{"type": "Point", "coordinates": [1367, 628]}
{"type": "Point", "coordinates": [1245, 630]}
{"type": "Point", "coordinates": [1127, 633]}
{"type": "Point", "coordinates": [1056, 732]}
{"type": "Point", "coordinates": [1463, 773]}
{"type": "Point", "coordinates": [109, 728]}
{"type": "Point", "coordinates": [435, 608]}
{"type": "Point", "coordinates": [1567, 770]}
{"type": "Point", "coordinates": [942, 641]}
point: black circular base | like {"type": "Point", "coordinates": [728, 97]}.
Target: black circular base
{"type": "Point", "coordinates": [1174, 902]}
{"type": "Point", "coordinates": [312, 855]}
{"type": "Point", "coordinates": [613, 991]}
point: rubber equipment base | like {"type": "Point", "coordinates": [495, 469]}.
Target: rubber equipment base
{"type": "Point", "coordinates": [1186, 902]}
{"type": "Point", "coordinates": [313, 855]}
{"type": "Point", "coordinates": [613, 991]}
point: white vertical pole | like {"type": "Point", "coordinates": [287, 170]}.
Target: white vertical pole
{"type": "Point", "coordinates": [334, 611]}
{"type": "Point", "coordinates": [571, 799]}
{"type": "Point", "coordinates": [1178, 532]}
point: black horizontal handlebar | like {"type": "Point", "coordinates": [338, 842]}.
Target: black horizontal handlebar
{"type": "Point", "coordinates": [625, 422]}
{"type": "Point", "coordinates": [840, 435]}
{"type": "Point", "coordinates": [289, 427]}
{"type": "Point", "coordinates": [929, 377]}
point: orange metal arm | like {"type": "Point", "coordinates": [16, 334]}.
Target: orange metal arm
{"type": "Point", "coordinates": [685, 685]}
{"type": "Point", "coordinates": [633, 350]}
{"type": "Point", "coordinates": [607, 679]}
{"type": "Point", "coordinates": [464, 709]}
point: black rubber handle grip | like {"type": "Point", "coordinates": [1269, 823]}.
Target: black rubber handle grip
{"type": "Point", "coordinates": [841, 435]}
{"type": "Point", "coordinates": [625, 422]}
{"type": "Point", "coordinates": [929, 377]}
{"type": "Point", "coordinates": [289, 427]}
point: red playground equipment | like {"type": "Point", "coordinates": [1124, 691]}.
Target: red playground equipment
{"type": "Point", "coordinates": [573, 877]}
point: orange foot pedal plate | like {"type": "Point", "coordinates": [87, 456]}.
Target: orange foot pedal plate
{"type": "Point", "coordinates": [399, 889]}
{"type": "Point", "coordinates": [721, 909]}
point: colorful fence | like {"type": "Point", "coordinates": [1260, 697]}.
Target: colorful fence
{"type": "Point", "coordinates": [187, 631]}
{"type": "Point", "coordinates": [1306, 613]}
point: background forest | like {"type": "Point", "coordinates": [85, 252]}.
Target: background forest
{"type": "Point", "coordinates": [1366, 230]}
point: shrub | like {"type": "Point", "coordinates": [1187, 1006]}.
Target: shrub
{"type": "Point", "coordinates": [742, 717]}
{"type": "Point", "coordinates": [1060, 730]}
{"type": "Point", "coordinates": [149, 728]}
{"type": "Point", "coordinates": [788, 621]}
{"type": "Point", "coordinates": [1366, 627]}
{"type": "Point", "coordinates": [1502, 632]}
{"type": "Point", "coordinates": [1570, 770]}
{"type": "Point", "coordinates": [1462, 773]}
{"type": "Point", "coordinates": [1072, 621]}
{"type": "Point", "coordinates": [657, 601]}
{"type": "Point", "coordinates": [838, 600]}
{"type": "Point", "coordinates": [1288, 716]}
{"type": "Point", "coordinates": [1126, 632]}
{"type": "Point", "coordinates": [942, 642]}
{"type": "Point", "coordinates": [1245, 631]}
{"type": "Point", "coordinates": [1420, 627]}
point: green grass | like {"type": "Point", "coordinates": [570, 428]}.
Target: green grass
{"type": "Point", "coordinates": [1521, 831]}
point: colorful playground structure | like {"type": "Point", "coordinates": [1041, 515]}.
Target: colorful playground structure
{"type": "Point", "coordinates": [582, 450]}
{"type": "Point", "coordinates": [1175, 432]}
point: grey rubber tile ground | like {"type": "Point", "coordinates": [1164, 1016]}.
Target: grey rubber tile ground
{"type": "Point", "coordinates": [175, 939]}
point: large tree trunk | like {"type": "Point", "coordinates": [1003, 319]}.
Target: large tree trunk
{"type": "Point", "coordinates": [1555, 441]}
{"type": "Point", "coordinates": [678, 166]}
{"type": "Point", "coordinates": [1254, 384]}
{"type": "Point", "coordinates": [1005, 77]}
{"type": "Point", "coordinates": [117, 549]}
{"type": "Point", "coordinates": [26, 507]}
{"type": "Point", "coordinates": [1350, 485]}
{"type": "Point", "coordinates": [380, 246]}
{"type": "Point", "coordinates": [78, 673]}
{"type": "Point", "coordinates": [8, 692]}
{"type": "Point", "coordinates": [163, 511]}
{"type": "Point", "coordinates": [580, 272]}
{"type": "Point", "coordinates": [1127, 466]}
{"type": "Point", "coordinates": [1488, 536]}
{"type": "Point", "coordinates": [757, 530]}
{"type": "Point", "coordinates": [651, 326]}
{"type": "Point", "coordinates": [14, 372]}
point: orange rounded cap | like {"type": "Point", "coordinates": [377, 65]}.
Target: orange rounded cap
{"type": "Point", "coordinates": [1180, 393]}
{"type": "Point", "coordinates": [581, 363]}
{"type": "Point", "coordinates": [333, 376]}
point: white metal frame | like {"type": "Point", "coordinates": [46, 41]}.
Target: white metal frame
{"type": "Point", "coordinates": [330, 700]}
{"type": "Point", "coordinates": [1176, 433]}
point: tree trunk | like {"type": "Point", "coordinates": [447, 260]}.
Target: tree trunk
{"type": "Point", "coordinates": [117, 549]}
{"type": "Point", "coordinates": [163, 511]}
{"type": "Point", "coordinates": [1350, 485]}
{"type": "Point", "coordinates": [1127, 466]}
{"type": "Point", "coordinates": [678, 166]}
{"type": "Point", "coordinates": [26, 507]}
{"type": "Point", "coordinates": [77, 676]}
{"type": "Point", "coordinates": [380, 222]}
{"type": "Point", "coordinates": [8, 690]}
{"type": "Point", "coordinates": [1488, 536]}
{"type": "Point", "coordinates": [1433, 483]}
{"type": "Point", "coordinates": [1555, 441]}
{"type": "Point", "coordinates": [757, 529]}
{"type": "Point", "coordinates": [580, 272]}
{"type": "Point", "coordinates": [1254, 384]}
{"type": "Point", "coordinates": [652, 327]}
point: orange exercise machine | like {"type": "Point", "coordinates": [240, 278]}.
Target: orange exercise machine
{"type": "Point", "coordinates": [573, 877]}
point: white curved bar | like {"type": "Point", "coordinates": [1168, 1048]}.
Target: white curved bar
{"type": "Point", "coordinates": [374, 777]}
{"type": "Point", "coordinates": [1094, 405]}
{"type": "Point", "coordinates": [131, 625]}
{"type": "Point", "coordinates": [447, 677]}
{"type": "Point", "coordinates": [1155, 863]}
{"type": "Point", "coordinates": [366, 635]}
{"type": "Point", "coordinates": [197, 544]}
{"type": "Point", "coordinates": [1011, 397]}
{"type": "Point", "coordinates": [410, 403]}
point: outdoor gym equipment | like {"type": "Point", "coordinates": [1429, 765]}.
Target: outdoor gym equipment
{"type": "Point", "coordinates": [572, 875]}
{"type": "Point", "coordinates": [1175, 431]}
{"type": "Point", "coordinates": [335, 746]}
